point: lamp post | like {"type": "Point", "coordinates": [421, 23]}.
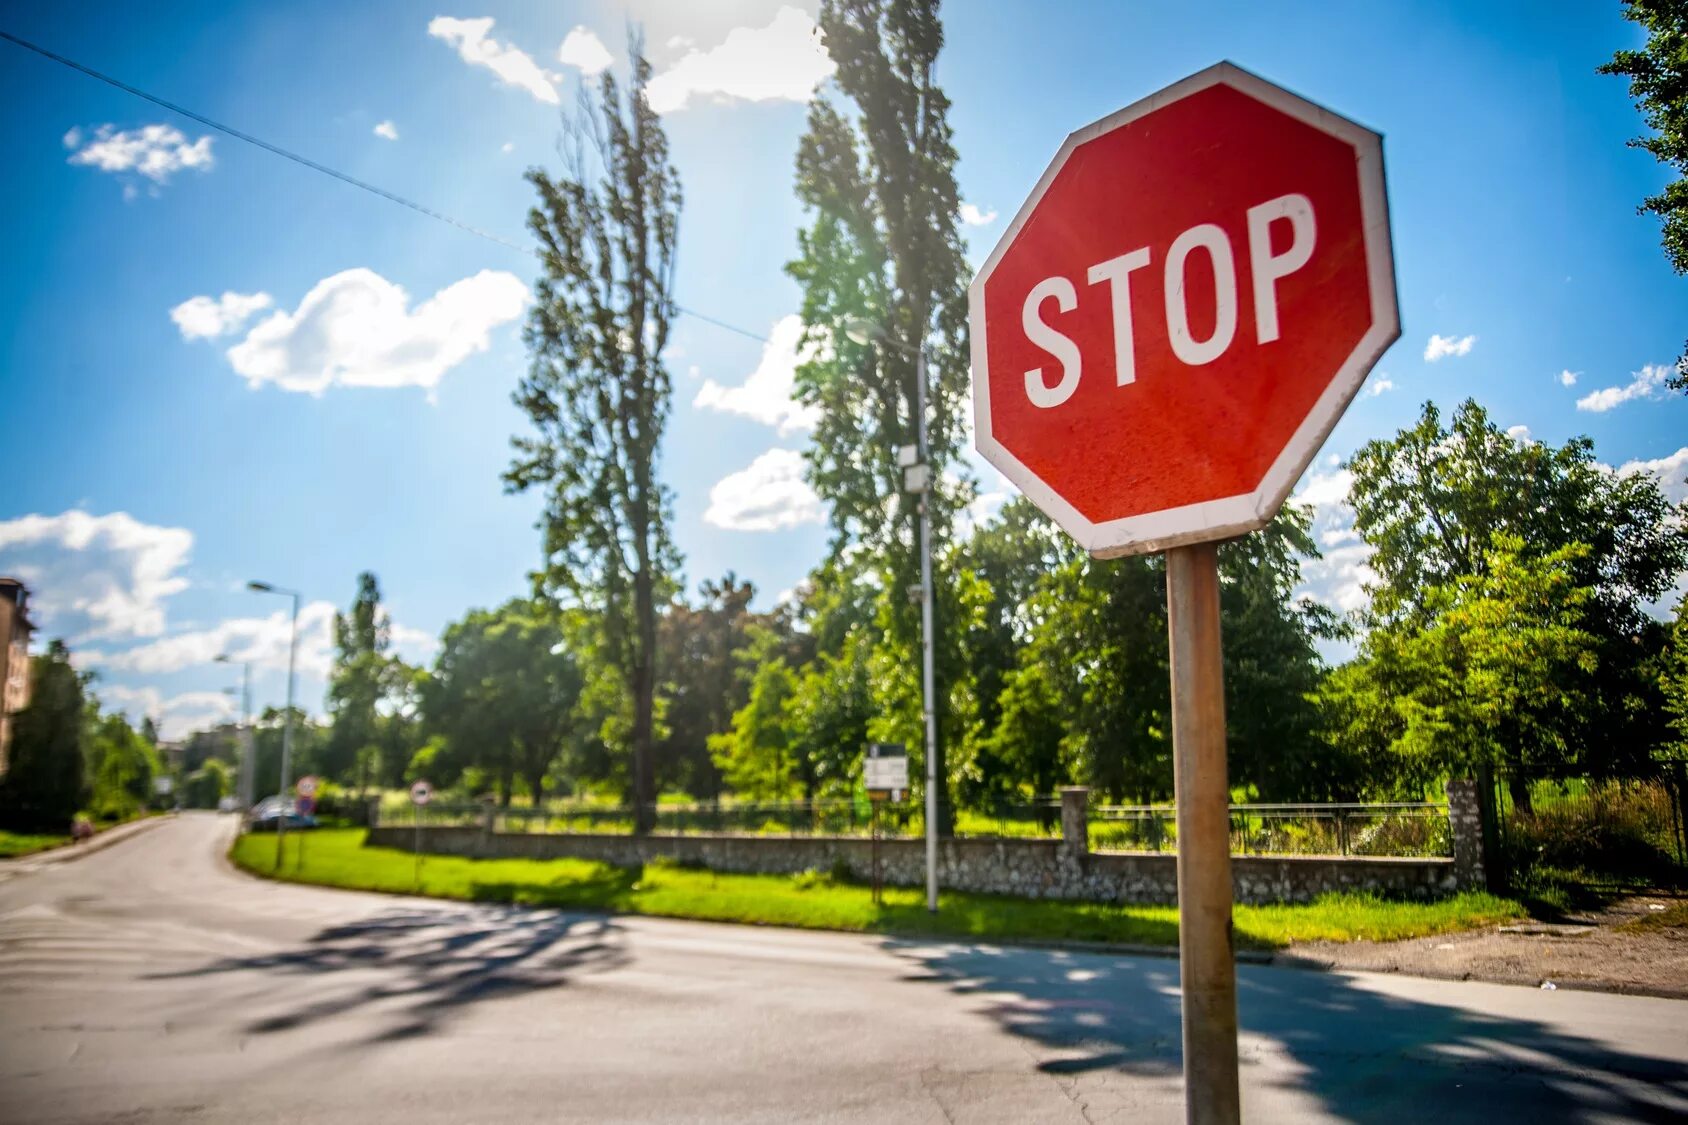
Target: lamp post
{"type": "Point", "coordinates": [243, 784]}
{"type": "Point", "coordinates": [917, 478]}
{"type": "Point", "coordinates": [287, 718]}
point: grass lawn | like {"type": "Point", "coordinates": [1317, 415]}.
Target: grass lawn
{"type": "Point", "coordinates": [14, 844]}
{"type": "Point", "coordinates": [337, 858]}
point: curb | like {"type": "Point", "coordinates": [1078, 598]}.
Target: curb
{"type": "Point", "coordinates": [69, 853]}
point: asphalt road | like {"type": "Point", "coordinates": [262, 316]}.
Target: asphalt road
{"type": "Point", "coordinates": [150, 982]}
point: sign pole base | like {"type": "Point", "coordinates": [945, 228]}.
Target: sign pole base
{"type": "Point", "coordinates": [1206, 962]}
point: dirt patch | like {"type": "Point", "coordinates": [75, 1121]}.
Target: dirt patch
{"type": "Point", "coordinates": [1636, 945]}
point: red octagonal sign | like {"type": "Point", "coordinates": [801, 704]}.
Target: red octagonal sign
{"type": "Point", "coordinates": [1179, 314]}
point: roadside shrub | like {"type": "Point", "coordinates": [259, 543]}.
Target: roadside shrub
{"type": "Point", "coordinates": [1613, 830]}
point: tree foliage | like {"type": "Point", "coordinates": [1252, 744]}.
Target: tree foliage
{"type": "Point", "coordinates": [597, 392]}
{"type": "Point", "coordinates": [504, 695]}
{"type": "Point", "coordinates": [876, 170]}
{"type": "Point", "coordinates": [1658, 81]}
{"type": "Point", "coordinates": [47, 781]}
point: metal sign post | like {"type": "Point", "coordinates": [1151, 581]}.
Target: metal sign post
{"type": "Point", "coordinates": [420, 794]}
{"type": "Point", "coordinates": [885, 777]}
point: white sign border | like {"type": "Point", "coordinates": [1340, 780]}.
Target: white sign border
{"type": "Point", "coordinates": [1234, 515]}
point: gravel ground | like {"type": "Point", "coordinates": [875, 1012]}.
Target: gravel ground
{"type": "Point", "coordinates": [1586, 951]}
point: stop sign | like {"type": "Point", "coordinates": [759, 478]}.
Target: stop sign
{"type": "Point", "coordinates": [1177, 317]}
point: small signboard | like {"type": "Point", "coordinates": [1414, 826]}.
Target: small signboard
{"type": "Point", "coordinates": [163, 785]}
{"type": "Point", "coordinates": [885, 769]}
{"type": "Point", "coordinates": [421, 793]}
{"type": "Point", "coordinates": [306, 786]}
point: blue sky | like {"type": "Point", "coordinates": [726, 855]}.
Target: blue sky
{"type": "Point", "coordinates": [347, 407]}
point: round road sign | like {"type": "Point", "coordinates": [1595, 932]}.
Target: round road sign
{"type": "Point", "coordinates": [421, 793]}
{"type": "Point", "coordinates": [306, 786]}
{"type": "Point", "coordinates": [1177, 317]}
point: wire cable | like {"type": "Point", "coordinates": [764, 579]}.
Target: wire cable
{"type": "Point", "coordinates": [316, 166]}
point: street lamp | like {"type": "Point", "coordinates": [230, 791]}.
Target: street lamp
{"type": "Point", "coordinates": [243, 784]}
{"type": "Point", "coordinates": [287, 719]}
{"type": "Point", "coordinates": [917, 479]}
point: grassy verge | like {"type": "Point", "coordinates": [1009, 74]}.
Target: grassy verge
{"type": "Point", "coordinates": [337, 858]}
{"type": "Point", "coordinates": [14, 844]}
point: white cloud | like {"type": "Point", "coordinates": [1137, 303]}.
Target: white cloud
{"type": "Point", "coordinates": [154, 151]}
{"type": "Point", "coordinates": [355, 329]}
{"type": "Point", "coordinates": [96, 576]}
{"type": "Point", "coordinates": [1380, 386]}
{"type": "Point", "coordinates": [1649, 382]}
{"type": "Point", "coordinates": [206, 317]}
{"type": "Point", "coordinates": [1518, 433]}
{"type": "Point", "coordinates": [1440, 347]}
{"type": "Point", "coordinates": [1339, 578]}
{"type": "Point", "coordinates": [1671, 472]}
{"type": "Point", "coordinates": [261, 640]}
{"type": "Point", "coordinates": [768, 495]}
{"type": "Point", "coordinates": [509, 146]}
{"type": "Point", "coordinates": [388, 130]}
{"type": "Point", "coordinates": [767, 393]}
{"type": "Point", "coordinates": [178, 716]}
{"type": "Point", "coordinates": [1568, 378]}
{"type": "Point", "coordinates": [784, 61]}
{"type": "Point", "coordinates": [513, 66]}
{"type": "Point", "coordinates": [974, 217]}
{"type": "Point", "coordinates": [585, 51]}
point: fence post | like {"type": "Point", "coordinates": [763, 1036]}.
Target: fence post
{"type": "Point", "coordinates": [1466, 823]}
{"type": "Point", "coordinates": [1075, 823]}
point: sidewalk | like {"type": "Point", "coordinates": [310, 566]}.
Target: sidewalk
{"type": "Point", "coordinates": [28, 865]}
{"type": "Point", "coordinates": [1609, 950]}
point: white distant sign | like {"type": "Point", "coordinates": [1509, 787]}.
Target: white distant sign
{"type": "Point", "coordinates": [163, 786]}
{"type": "Point", "coordinates": [885, 767]}
{"type": "Point", "coordinates": [421, 793]}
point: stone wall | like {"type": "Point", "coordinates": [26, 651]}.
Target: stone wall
{"type": "Point", "coordinates": [1033, 868]}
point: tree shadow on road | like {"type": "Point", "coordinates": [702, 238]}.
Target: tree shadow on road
{"type": "Point", "coordinates": [415, 968]}
{"type": "Point", "coordinates": [1366, 1054]}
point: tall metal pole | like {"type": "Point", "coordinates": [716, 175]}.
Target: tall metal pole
{"type": "Point", "coordinates": [926, 676]}
{"type": "Point", "coordinates": [1206, 965]}
{"type": "Point", "coordinates": [287, 731]}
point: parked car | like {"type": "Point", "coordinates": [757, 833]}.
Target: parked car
{"type": "Point", "coordinates": [268, 813]}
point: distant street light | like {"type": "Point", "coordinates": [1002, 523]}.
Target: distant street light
{"type": "Point", "coordinates": [243, 783]}
{"type": "Point", "coordinates": [287, 719]}
{"type": "Point", "coordinates": [917, 480]}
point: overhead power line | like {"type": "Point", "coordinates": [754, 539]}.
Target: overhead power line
{"type": "Point", "coordinates": [317, 166]}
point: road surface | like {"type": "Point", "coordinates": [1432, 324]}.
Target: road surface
{"type": "Point", "coordinates": [152, 983]}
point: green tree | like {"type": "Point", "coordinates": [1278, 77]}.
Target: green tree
{"type": "Point", "coordinates": [597, 391]}
{"type": "Point", "coordinates": [268, 732]}
{"type": "Point", "coordinates": [46, 783]}
{"type": "Point", "coordinates": [1658, 81]}
{"type": "Point", "coordinates": [877, 172]}
{"type": "Point", "coordinates": [754, 754]}
{"type": "Point", "coordinates": [122, 766]}
{"type": "Point", "coordinates": [701, 647]}
{"type": "Point", "coordinates": [505, 693]}
{"type": "Point", "coordinates": [1438, 502]}
{"type": "Point", "coordinates": [207, 785]}
{"type": "Point", "coordinates": [1495, 673]}
{"type": "Point", "coordinates": [1673, 684]}
{"type": "Point", "coordinates": [361, 680]}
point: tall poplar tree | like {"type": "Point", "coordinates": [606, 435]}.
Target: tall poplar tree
{"type": "Point", "coordinates": [597, 392]}
{"type": "Point", "coordinates": [877, 171]}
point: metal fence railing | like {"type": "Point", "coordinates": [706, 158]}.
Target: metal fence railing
{"type": "Point", "coordinates": [1396, 828]}
{"type": "Point", "coordinates": [1408, 829]}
